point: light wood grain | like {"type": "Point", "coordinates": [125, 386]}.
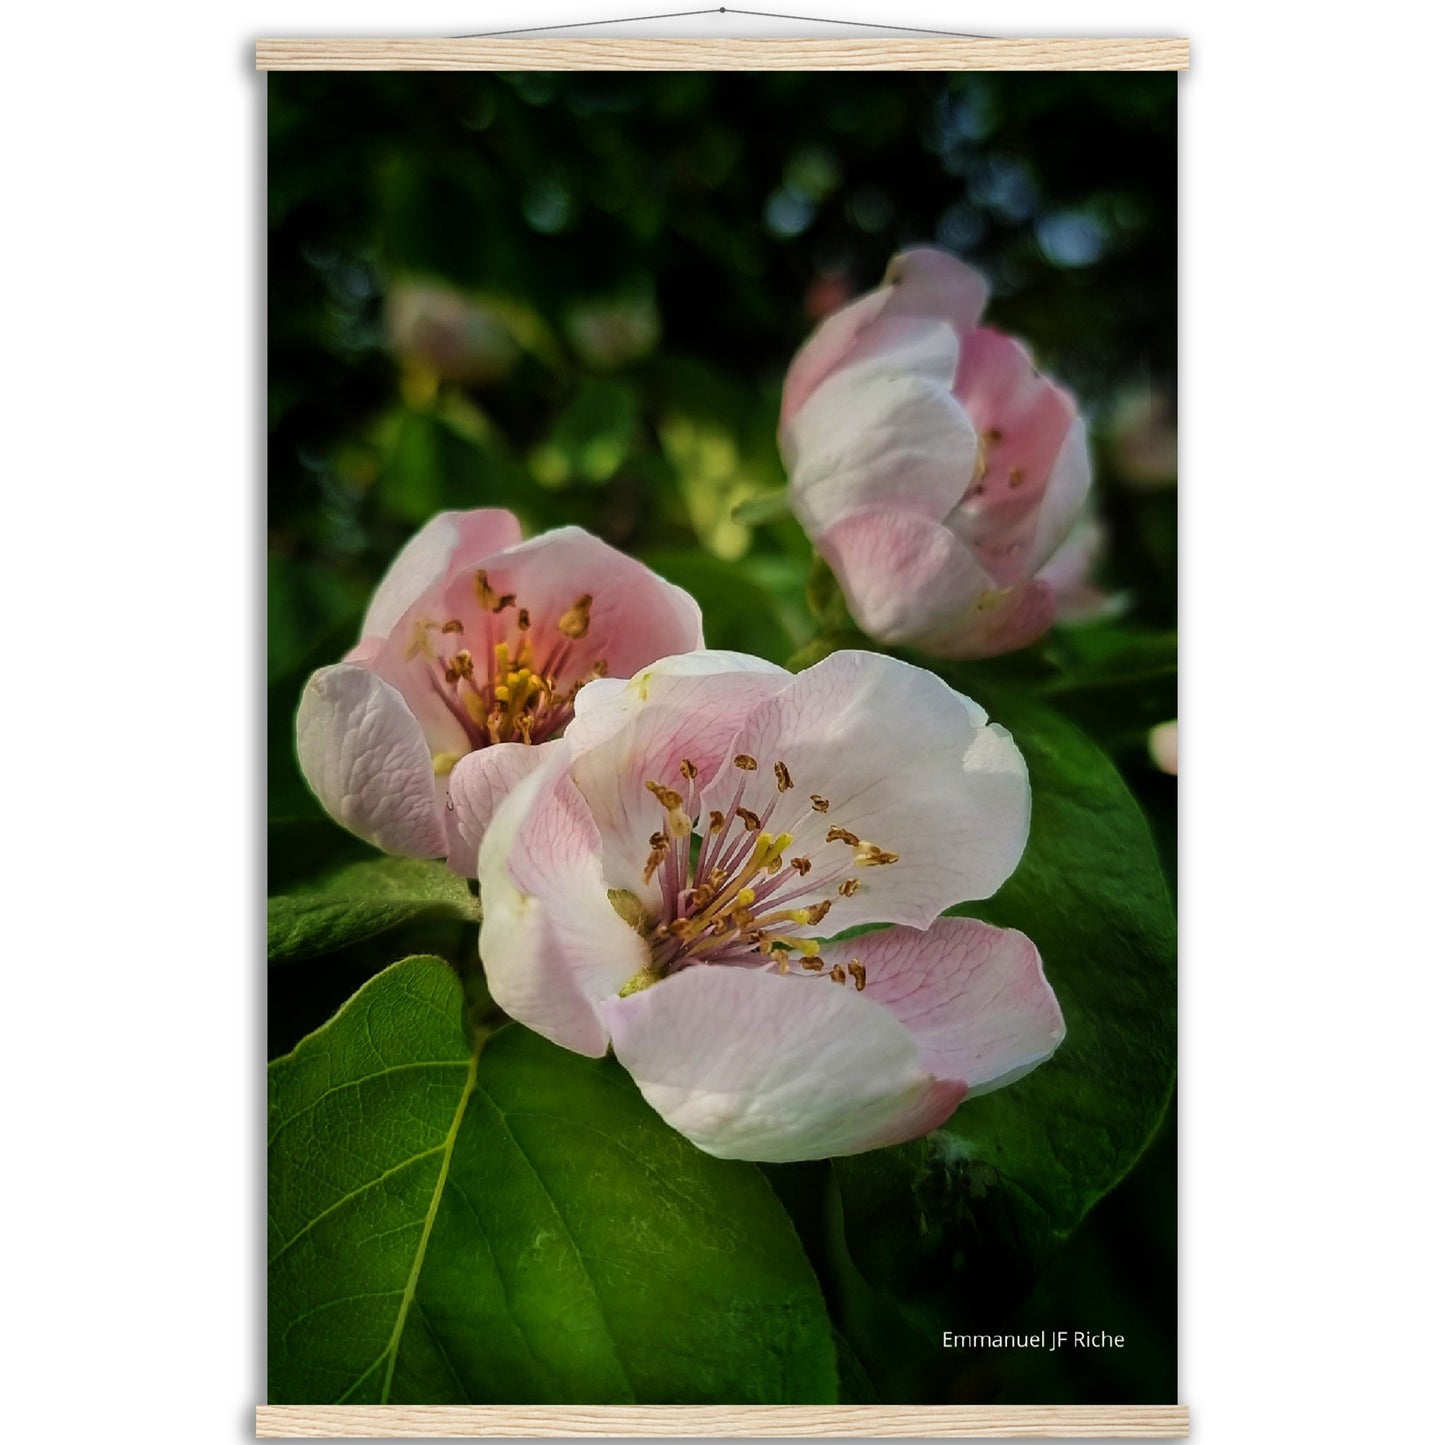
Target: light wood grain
{"type": "Point", "coordinates": [725, 54]}
{"type": "Point", "coordinates": [1057, 1422]}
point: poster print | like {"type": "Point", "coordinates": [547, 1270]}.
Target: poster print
{"type": "Point", "coordinates": [721, 738]}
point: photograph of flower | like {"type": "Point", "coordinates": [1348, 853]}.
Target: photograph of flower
{"type": "Point", "coordinates": [722, 738]}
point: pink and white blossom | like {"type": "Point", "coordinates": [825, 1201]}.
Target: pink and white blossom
{"type": "Point", "coordinates": [472, 655]}
{"type": "Point", "coordinates": [670, 884]}
{"type": "Point", "coordinates": [933, 467]}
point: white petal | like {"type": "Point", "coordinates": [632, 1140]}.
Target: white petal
{"type": "Point", "coordinates": [475, 790]}
{"type": "Point", "coordinates": [551, 943]}
{"type": "Point", "coordinates": [884, 432]}
{"type": "Point", "coordinates": [974, 997]}
{"type": "Point", "coordinates": [903, 763]}
{"type": "Point", "coordinates": [425, 559]}
{"type": "Point", "coordinates": [366, 759]}
{"type": "Point", "coordinates": [750, 1065]}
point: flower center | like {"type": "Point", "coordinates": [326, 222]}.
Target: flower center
{"type": "Point", "coordinates": [736, 891]}
{"type": "Point", "coordinates": [502, 685]}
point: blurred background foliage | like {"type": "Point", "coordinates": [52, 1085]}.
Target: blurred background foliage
{"type": "Point", "coordinates": [575, 296]}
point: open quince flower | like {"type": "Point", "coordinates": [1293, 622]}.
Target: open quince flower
{"type": "Point", "coordinates": [472, 655]}
{"type": "Point", "coordinates": [934, 469]}
{"type": "Point", "coordinates": [669, 881]}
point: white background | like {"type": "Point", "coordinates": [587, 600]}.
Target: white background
{"type": "Point", "coordinates": [133, 533]}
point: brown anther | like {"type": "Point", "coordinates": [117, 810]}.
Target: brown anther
{"type": "Point", "coordinates": [842, 835]}
{"type": "Point", "coordinates": [860, 975]}
{"type": "Point", "coordinates": [679, 927]}
{"type": "Point", "coordinates": [654, 862]}
{"type": "Point", "coordinates": [506, 600]}
{"type": "Point", "coordinates": [751, 821]}
{"type": "Point", "coordinates": [688, 769]}
{"type": "Point", "coordinates": [578, 618]}
{"type": "Point", "coordinates": [870, 855]}
{"type": "Point", "coordinates": [670, 798]}
{"type": "Point", "coordinates": [1015, 476]}
{"type": "Point", "coordinates": [848, 887]}
{"type": "Point", "coordinates": [837, 974]}
{"type": "Point", "coordinates": [715, 821]}
{"type": "Point", "coordinates": [747, 764]}
{"type": "Point", "coordinates": [819, 911]}
{"type": "Point", "coordinates": [702, 895]}
{"type": "Point", "coordinates": [779, 954]}
{"type": "Point", "coordinates": [658, 840]}
{"type": "Point", "coordinates": [820, 804]}
{"type": "Point", "coordinates": [460, 666]}
{"type": "Point", "coordinates": [524, 619]}
{"type": "Point", "coordinates": [992, 436]}
{"type": "Point", "coordinates": [813, 965]}
{"type": "Point", "coordinates": [488, 598]}
{"type": "Point", "coordinates": [784, 777]}
{"type": "Point", "coordinates": [782, 965]}
{"type": "Point", "coordinates": [801, 864]}
{"type": "Point", "coordinates": [455, 625]}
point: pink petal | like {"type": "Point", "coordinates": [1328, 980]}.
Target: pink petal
{"type": "Point", "coordinates": [1064, 497]}
{"type": "Point", "coordinates": [366, 759]}
{"type": "Point", "coordinates": [635, 616]}
{"type": "Point", "coordinates": [1071, 571]}
{"type": "Point", "coordinates": [826, 349]}
{"type": "Point", "coordinates": [750, 1065]}
{"type": "Point", "coordinates": [425, 560]}
{"type": "Point", "coordinates": [681, 707]}
{"type": "Point", "coordinates": [974, 997]}
{"type": "Point", "coordinates": [1024, 421]}
{"type": "Point", "coordinates": [475, 790]}
{"type": "Point", "coordinates": [884, 432]}
{"type": "Point", "coordinates": [911, 581]}
{"type": "Point", "coordinates": [922, 284]}
{"type": "Point", "coordinates": [904, 576]}
{"type": "Point", "coordinates": [932, 283]}
{"type": "Point", "coordinates": [552, 945]}
{"type": "Point", "coordinates": [905, 763]}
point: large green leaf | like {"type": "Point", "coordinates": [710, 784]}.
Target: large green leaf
{"type": "Point", "coordinates": [456, 1218]}
{"type": "Point", "coordinates": [361, 901]}
{"type": "Point", "coordinates": [961, 1221]}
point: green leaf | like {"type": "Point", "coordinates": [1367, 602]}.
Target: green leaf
{"type": "Point", "coordinates": [964, 1219]}
{"type": "Point", "coordinates": [460, 1219]}
{"type": "Point", "coordinates": [739, 611]}
{"type": "Point", "coordinates": [361, 901]}
{"type": "Point", "coordinates": [1115, 681]}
